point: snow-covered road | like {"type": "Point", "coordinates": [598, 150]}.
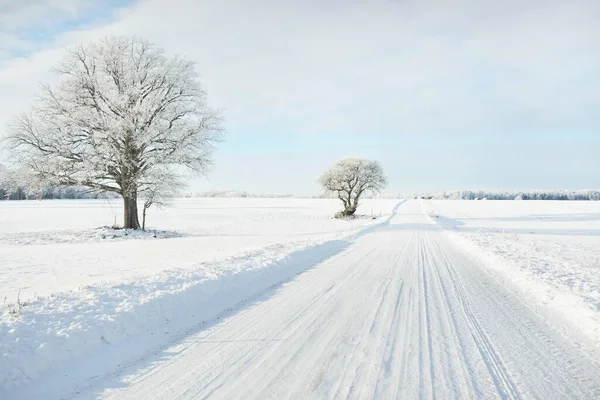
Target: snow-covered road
{"type": "Point", "coordinates": [402, 313]}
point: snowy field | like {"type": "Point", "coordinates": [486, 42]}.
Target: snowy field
{"type": "Point", "coordinates": [551, 248]}
{"type": "Point", "coordinates": [58, 245]}
{"type": "Point", "coordinates": [69, 286]}
{"type": "Point", "coordinates": [82, 298]}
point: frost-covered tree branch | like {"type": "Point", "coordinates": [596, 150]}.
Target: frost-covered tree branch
{"type": "Point", "coordinates": [121, 111]}
{"type": "Point", "coordinates": [351, 178]}
{"type": "Point", "coordinates": [159, 191]}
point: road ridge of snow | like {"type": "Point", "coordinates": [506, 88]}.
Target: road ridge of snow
{"type": "Point", "coordinates": [71, 326]}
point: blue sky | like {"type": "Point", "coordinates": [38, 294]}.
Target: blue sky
{"type": "Point", "coordinates": [447, 95]}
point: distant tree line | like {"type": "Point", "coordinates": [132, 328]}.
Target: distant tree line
{"type": "Point", "coordinates": [235, 194]}
{"type": "Point", "coordinates": [515, 195]}
{"type": "Point", "coordinates": [20, 185]}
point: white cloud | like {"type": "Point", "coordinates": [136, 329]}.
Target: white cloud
{"type": "Point", "coordinates": [397, 66]}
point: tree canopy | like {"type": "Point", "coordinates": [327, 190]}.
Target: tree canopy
{"type": "Point", "coordinates": [122, 117]}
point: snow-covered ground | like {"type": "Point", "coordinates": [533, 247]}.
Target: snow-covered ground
{"type": "Point", "coordinates": [452, 299]}
{"type": "Point", "coordinates": [551, 248]}
{"type": "Point", "coordinates": [69, 287]}
{"type": "Point", "coordinates": [58, 245]}
{"type": "Point", "coordinates": [405, 309]}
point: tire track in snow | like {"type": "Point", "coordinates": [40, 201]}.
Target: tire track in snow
{"type": "Point", "coordinates": [534, 349]}
{"type": "Point", "coordinates": [307, 322]}
{"type": "Point", "coordinates": [427, 369]}
{"type": "Point", "coordinates": [244, 330]}
{"type": "Point", "coordinates": [389, 376]}
{"type": "Point", "coordinates": [506, 388]}
{"type": "Point", "coordinates": [374, 350]}
{"type": "Point", "coordinates": [456, 345]}
{"type": "Point", "coordinates": [534, 340]}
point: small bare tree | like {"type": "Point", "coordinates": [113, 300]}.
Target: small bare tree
{"type": "Point", "coordinates": [350, 179]}
{"type": "Point", "coordinates": [160, 191]}
{"type": "Point", "coordinates": [121, 111]}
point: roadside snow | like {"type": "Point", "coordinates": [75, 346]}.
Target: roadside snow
{"type": "Point", "coordinates": [551, 248]}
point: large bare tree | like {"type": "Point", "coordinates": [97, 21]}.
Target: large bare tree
{"type": "Point", "coordinates": [122, 115]}
{"type": "Point", "coordinates": [350, 179]}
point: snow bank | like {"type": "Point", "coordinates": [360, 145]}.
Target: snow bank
{"type": "Point", "coordinates": [84, 236]}
{"type": "Point", "coordinates": [74, 325]}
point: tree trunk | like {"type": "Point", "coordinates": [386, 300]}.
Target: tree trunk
{"type": "Point", "coordinates": [351, 209]}
{"type": "Point", "coordinates": [144, 217]}
{"type": "Point", "coordinates": [130, 220]}
{"type": "Point", "coordinates": [350, 206]}
{"type": "Point", "coordinates": [348, 212]}
{"type": "Point", "coordinates": [355, 205]}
